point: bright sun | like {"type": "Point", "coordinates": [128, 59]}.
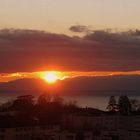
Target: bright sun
{"type": "Point", "coordinates": [51, 76]}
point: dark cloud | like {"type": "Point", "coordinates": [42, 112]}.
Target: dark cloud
{"type": "Point", "coordinates": [79, 28]}
{"type": "Point", "coordinates": [116, 38]}
{"type": "Point", "coordinates": [121, 84]}
{"type": "Point", "coordinates": [31, 50]}
{"type": "Point", "coordinates": [84, 85]}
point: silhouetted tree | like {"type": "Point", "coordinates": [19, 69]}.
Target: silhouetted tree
{"type": "Point", "coordinates": [23, 103]}
{"type": "Point", "coordinates": [124, 105]}
{"type": "Point", "coordinates": [135, 104]}
{"type": "Point", "coordinates": [44, 99]}
{"type": "Point", "coordinates": [112, 104]}
{"type": "Point", "coordinates": [58, 99]}
{"type": "Point", "coordinates": [6, 106]}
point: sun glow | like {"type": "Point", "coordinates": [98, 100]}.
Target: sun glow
{"type": "Point", "coordinates": [51, 76]}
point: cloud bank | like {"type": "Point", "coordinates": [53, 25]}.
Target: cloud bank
{"type": "Point", "coordinates": [32, 50]}
{"type": "Point", "coordinates": [82, 85]}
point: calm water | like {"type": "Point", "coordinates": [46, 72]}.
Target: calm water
{"type": "Point", "coordinates": [99, 102]}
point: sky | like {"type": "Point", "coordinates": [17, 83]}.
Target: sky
{"type": "Point", "coordinates": [72, 36]}
{"type": "Point", "coordinates": [59, 15]}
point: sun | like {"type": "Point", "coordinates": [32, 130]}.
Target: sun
{"type": "Point", "coordinates": [51, 77]}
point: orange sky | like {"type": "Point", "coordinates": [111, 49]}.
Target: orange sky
{"type": "Point", "coordinates": [108, 44]}
{"type": "Point", "coordinates": [61, 75]}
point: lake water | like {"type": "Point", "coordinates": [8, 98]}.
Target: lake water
{"type": "Point", "coordinates": [99, 102]}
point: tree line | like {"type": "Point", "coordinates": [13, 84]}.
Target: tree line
{"type": "Point", "coordinates": [124, 105]}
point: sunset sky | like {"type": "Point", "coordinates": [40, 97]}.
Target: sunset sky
{"type": "Point", "coordinates": [74, 37]}
{"type": "Point", "coordinates": [59, 15]}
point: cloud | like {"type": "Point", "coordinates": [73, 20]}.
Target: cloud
{"type": "Point", "coordinates": [119, 84]}
{"type": "Point", "coordinates": [80, 29]}
{"type": "Point", "coordinates": [32, 50]}
{"type": "Point", "coordinates": [82, 85]}
{"type": "Point", "coordinates": [116, 38]}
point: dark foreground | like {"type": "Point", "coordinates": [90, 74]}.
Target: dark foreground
{"type": "Point", "coordinates": [50, 118]}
